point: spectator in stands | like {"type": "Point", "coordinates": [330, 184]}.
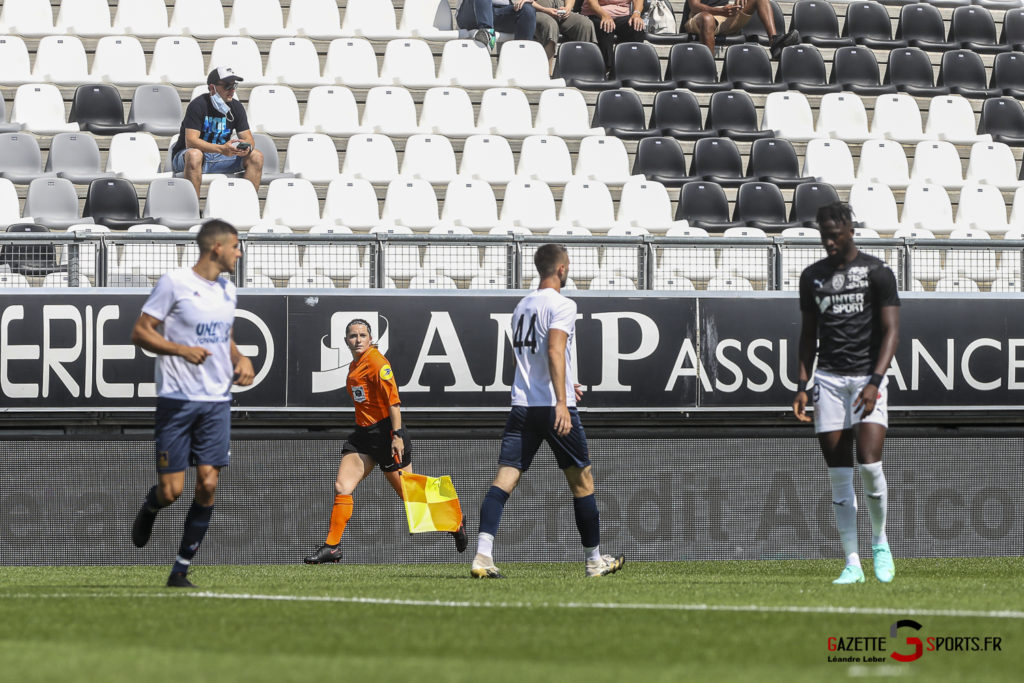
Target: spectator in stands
{"type": "Point", "coordinates": [205, 142]}
{"type": "Point", "coordinates": [517, 17]}
{"type": "Point", "coordinates": [615, 21]}
{"type": "Point", "coordinates": [556, 18]}
{"type": "Point", "coordinates": [709, 18]}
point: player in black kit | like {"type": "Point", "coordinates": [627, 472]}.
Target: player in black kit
{"type": "Point", "coordinates": [850, 319]}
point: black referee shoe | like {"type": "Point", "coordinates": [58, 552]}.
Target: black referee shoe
{"type": "Point", "coordinates": [179, 580]}
{"type": "Point", "coordinates": [460, 536]}
{"type": "Point", "coordinates": [325, 553]}
{"type": "Point", "coordinates": [142, 527]}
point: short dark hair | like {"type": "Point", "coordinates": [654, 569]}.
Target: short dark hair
{"type": "Point", "coordinates": [211, 233]}
{"type": "Point", "coordinates": [548, 257]}
{"type": "Point", "coordinates": [359, 321]}
{"type": "Point", "coordinates": [837, 212]}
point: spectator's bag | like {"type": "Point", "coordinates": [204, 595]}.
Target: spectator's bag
{"type": "Point", "coordinates": [659, 17]}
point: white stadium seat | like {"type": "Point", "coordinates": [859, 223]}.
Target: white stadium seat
{"type": "Point", "coordinates": [312, 156]}
{"type": "Point", "coordinates": [937, 161]}
{"type": "Point", "coordinates": [372, 157]}
{"type": "Point", "coordinates": [429, 157]}
{"type": "Point", "coordinates": [292, 202]}
{"type": "Point", "coordinates": [257, 18]}
{"type": "Point", "coordinates": [294, 62]}
{"type": "Point", "coordinates": [60, 60]}
{"type": "Point", "coordinates": [332, 110]}
{"type": "Point", "coordinates": [317, 19]}
{"type": "Point", "coordinates": [466, 64]}
{"type": "Point", "coordinates": [352, 202]}
{"type": "Point", "coordinates": [488, 158]}
{"type": "Point", "coordinates": [352, 62]}
{"type": "Point", "coordinates": [564, 112]}
{"type": "Point", "coordinates": [88, 18]}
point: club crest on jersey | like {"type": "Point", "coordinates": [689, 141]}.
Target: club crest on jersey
{"type": "Point", "coordinates": [359, 394]}
{"type": "Point", "coordinates": [838, 281]}
{"type": "Point", "coordinates": [385, 373]}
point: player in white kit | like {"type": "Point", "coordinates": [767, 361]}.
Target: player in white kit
{"type": "Point", "coordinates": [544, 409]}
{"type": "Point", "coordinates": [187, 322]}
{"type": "Point", "coordinates": [850, 308]}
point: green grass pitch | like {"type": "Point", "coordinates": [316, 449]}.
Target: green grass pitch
{"type": "Point", "coordinates": [722, 621]}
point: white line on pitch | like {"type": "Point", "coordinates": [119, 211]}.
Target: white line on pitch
{"type": "Point", "coordinates": [797, 609]}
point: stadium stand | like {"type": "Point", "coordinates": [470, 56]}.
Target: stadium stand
{"type": "Point", "coordinates": [493, 116]}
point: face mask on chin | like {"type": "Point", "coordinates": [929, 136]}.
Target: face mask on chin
{"type": "Point", "coordinates": [219, 104]}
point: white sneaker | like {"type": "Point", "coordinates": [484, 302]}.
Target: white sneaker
{"type": "Point", "coordinates": [483, 568]}
{"type": "Point", "coordinates": [605, 565]}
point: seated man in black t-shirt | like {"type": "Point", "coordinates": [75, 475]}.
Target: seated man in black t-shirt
{"type": "Point", "coordinates": [205, 142]}
{"type": "Point", "coordinates": [709, 18]}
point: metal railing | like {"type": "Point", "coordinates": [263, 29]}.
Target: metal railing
{"type": "Point", "coordinates": [497, 261]}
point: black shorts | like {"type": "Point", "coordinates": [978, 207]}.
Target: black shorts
{"type": "Point", "coordinates": [526, 428]}
{"type": "Point", "coordinates": [375, 441]}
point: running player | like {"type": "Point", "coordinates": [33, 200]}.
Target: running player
{"type": "Point", "coordinates": [850, 317]}
{"type": "Point", "coordinates": [544, 409]}
{"type": "Point", "coordinates": [187, 321]}
{"type": "Point", "coordinates": [378, 438]}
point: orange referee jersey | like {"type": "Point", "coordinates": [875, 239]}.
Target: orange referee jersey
{"type": "Point", "coordinates": [371, 384]}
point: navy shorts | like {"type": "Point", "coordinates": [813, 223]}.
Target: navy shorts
{"type": "Point", "coordinates": [526, 428]}
{"type": "Point", "coordinates": [192, 433]}
{"type": "Point", "coordinates": [375, 441]}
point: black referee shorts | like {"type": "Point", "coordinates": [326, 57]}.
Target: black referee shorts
{"type": "Point", "coordinates": [375, 441]}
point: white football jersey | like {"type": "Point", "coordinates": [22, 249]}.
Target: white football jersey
{"type": "Point", "coordinates": [537, 314]}
{"type": "Point", "coordinates": [195, 312]}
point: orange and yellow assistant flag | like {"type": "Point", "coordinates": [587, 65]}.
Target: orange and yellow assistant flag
{"type": "Point", "coordinates": [431, 503]}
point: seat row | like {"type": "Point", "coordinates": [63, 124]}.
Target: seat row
{"type": "Point", "coordinates": [801, 67]}
{"type": "Point", "coordinates": [470, 206]}
{"type": "Point", "coordinates": [321, 19]}
{"type": "Point", "coordinates": [350, 61]}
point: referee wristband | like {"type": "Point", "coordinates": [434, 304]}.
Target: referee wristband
{"type": "Point", "coordinates": [876, 379]}
{"type": "Point", "coordinates": [801, 386]}
{"type": "Point", "coordinates": [400, 433]}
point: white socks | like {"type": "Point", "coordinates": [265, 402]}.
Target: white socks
{"type": "Point", "coordinates": [844, 505]}
{"type": "Point", "coordinates": [876, 493]}
{"type": "Point", "coordinates": [592, 554]}
{"type": "Point", "coordinates": [484, 544]}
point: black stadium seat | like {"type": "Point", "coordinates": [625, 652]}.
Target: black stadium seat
{"type": "Point", "coordinates": [802, 68]}
{"type": "Point", "coordinates": [676, 114]}
{"type": "Point", "coordinates": [963, 72]}
{"type": "Point", "coordinates": [704, 205]}
{"type": "Point", "coordinates": [112, 202]}
{"type": "Point", "coordinates": [718, 160]}
{"type": "Point", "coordinates": [637, 66]}
{"type": "Point", "coordinates": [661, 159]}
{"type": "Point", "coordinates": [582, 66]}
{"type": "Point", "coordinates": [910, 70]}
{"type": "Point", "coordinates": [773, 160]}
{"type": "Point", "coordinates": [856, 69]}
{"type": "Point", "coordinates": [748, 68]}
{"type": "Point", "coordinates": [29, 258]}
{"type": "Point", "coordinates": [972, 28]}
{"type": "Point", "coordinates": [621, 113]}
{"type": "Point", "coordinates": [97, 108]}
{"type": "Point", "coordinates": [817, 23]}
{"type": "Point", "coordinates": [761, 205]}
{"type": "Point", "coordinates": [869, 25]}
{"type": "Point", "coordinates": [692, 66]}
{"type": "Point", "coordinates": [1003, 119]}
{"type": "Point", "coordinates": [1008, 74]}
{"type": "Point", "coordinates": [807, 199]}
{"type": "Point", "coordinates": [921, 26]}
{"type": "Point", "coordinates": [1013, 29]}
{"type": "Point", "coordinates": [733, 115]}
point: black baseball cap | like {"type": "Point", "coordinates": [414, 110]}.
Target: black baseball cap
{"type": "Point", "coordinates": [222, 74]}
